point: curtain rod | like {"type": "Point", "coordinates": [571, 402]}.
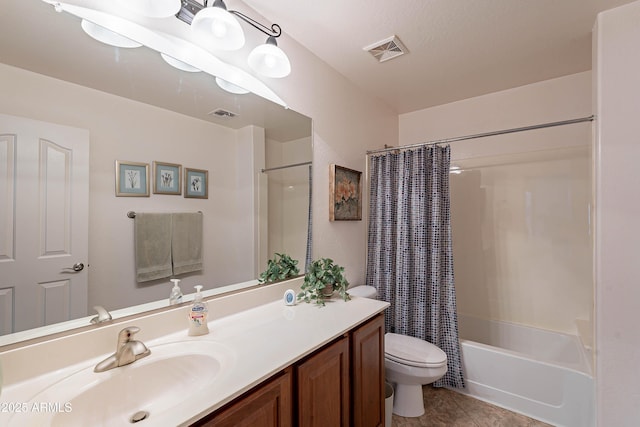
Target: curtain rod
{"type": "Point", "coordinates": [483, 135]}
{"type": "Point", "coordinates": [285, 167]}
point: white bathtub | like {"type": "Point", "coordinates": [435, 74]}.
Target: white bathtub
{"type": "Point", "coordinates": [544, 375]}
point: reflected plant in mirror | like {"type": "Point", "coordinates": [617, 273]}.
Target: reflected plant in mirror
{"type": "Point", "coordinates": [281, 267]}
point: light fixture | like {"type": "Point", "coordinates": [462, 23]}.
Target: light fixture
{"type": "Point", "coordinates": [217, 28]}
{"type": "Point", "coordinates": [106, 22]}
{"type": "Point", "coordinates": [269, 60]}
{"type": "Point", "coordinates": [153, 8]}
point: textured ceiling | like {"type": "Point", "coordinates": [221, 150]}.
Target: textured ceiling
{"type": "Point", "coordinates": [457, 48]}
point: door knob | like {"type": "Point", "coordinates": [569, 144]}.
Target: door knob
{"type": "Point", "coordinates": [78, 266]}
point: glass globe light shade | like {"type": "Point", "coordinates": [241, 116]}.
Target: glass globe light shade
{"type": "Point", "coordinates": [217, 29]}
{"type": "Point", "coordinates": [269, 60]}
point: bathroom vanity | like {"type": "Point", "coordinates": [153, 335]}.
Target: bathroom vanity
{"type": "Point", "coordinates": [341, 384]}
{"type": "Point", "coordinates": [298, 365]}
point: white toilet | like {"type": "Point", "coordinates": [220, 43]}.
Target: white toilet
{"type": "Point", "coordinates": [364, 291]}
{"type": "Point", "coordinates": [411, 363]}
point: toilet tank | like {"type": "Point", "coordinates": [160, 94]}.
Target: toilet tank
{"type": "Point", "coordinates": [363, 291]}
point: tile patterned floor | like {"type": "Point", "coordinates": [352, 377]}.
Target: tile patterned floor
{"type": "Point", "coordinates": [446, 408]}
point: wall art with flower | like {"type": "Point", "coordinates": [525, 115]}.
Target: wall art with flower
{"type": "Point", "coordinates": [345, 194]}
{"type": "Point", "coordinates": [166, 178]}
{"type": "Point", "coordinates": [132, 179]}
{"type": "Point", "coordinates": [196, 183]}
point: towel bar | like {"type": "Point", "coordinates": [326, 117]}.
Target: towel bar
{"type": "Point", "coordinates": [132, 214]}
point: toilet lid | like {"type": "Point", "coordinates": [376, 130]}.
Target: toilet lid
{"type": "Point", "coordinates": [363, 291]}
{"type": "Point", "coordinates": [413, 351]}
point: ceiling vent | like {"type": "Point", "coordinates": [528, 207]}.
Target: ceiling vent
{"type": "Point", "coordinates": [221, 112]}
{"type": "Point", "coordinates": [387, 49]}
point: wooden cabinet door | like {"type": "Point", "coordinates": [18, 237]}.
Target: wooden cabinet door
{"type": "Point", "coordinates": [323, 387]}
{"type": "Point", "coordinates": [367, 374]}
{"type": "Point", "coordinates": [269, 405]}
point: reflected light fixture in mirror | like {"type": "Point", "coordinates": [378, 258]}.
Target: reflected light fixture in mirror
{"type": "Point", "coordinates": [230, 87]}
{"type": "Point", "coordinates": [118, 27]}
{"type": "Point", "coordinates": [107, 36]}
{"type": "Point", "coordinates": [179, 64]}
{"type": "Point", "coordinates": [152, 8]}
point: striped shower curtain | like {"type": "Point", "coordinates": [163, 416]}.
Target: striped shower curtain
{"type": "Point", "coordinates": [409, 258]}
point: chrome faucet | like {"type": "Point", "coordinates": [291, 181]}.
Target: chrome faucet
{"type": "Point", "coordinates": [103, 315]}
{"type": "Point", "coordinates": [127, 351]}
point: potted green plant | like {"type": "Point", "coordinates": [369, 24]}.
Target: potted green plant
{"type": "Point", "coordinates": [322, 279]}
{"type": "Point", "coordinates": [281, 267]}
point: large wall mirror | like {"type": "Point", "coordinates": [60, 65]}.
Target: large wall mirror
{"type": "Point", "coordinates": [130, 106]}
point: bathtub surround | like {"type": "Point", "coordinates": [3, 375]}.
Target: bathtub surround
{"type": "Point", "coordinates": [521, 237]}
{"type": "Point", "coordinates": [542, 374]}
{"type": "Point", "coordinates": [521, 230]}
{"type": "Point", "coordinates": [409, 258]}
{"type": "Point", "coordinates": [515, 289]}
{"type": "Point", "coordinates": [617, 270]}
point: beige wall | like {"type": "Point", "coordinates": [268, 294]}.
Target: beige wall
{"type": "Point", "coordinates": [522, 244]}
{"type": "Point", "coordinates": [121, 129]}
{"type": "Point", "coordinates": [548, 101]}
{"type": "Point", "coordinates": [346, 123]}
{"type": "Point", "coordinates": [617, 85]}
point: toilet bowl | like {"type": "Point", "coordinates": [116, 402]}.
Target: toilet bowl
{"type": "Point", "coordinates": [411, 363]}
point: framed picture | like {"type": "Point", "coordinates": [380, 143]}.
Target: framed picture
{"type": "Point", "coordinates": [345, 194]}
{"type": "Point", "coordinates": [132, 179]}
{"type": "Point", "coordinates": [167, 178]}
{"type": "Point", "coordinates": [196, 183]}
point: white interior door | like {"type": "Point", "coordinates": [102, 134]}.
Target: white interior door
{"type": "Point", "coordinates": [44, 209]}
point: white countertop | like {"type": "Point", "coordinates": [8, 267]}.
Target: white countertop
{"type": "Point", "coordinates": [262, 340]}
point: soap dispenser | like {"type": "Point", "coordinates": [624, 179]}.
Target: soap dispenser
{"type": "Point", "coordinates": [198, 315]}
{"type": "Point", "coordinates": [175, 297]}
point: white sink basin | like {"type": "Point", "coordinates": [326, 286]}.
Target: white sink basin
{"type": "Point", "coordinates": [173, 373]}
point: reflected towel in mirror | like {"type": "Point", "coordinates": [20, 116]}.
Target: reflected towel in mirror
{"type": "Point", "coordinates": [186, 242]}
{"type": "Point", "coordinates": [152, 246]}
